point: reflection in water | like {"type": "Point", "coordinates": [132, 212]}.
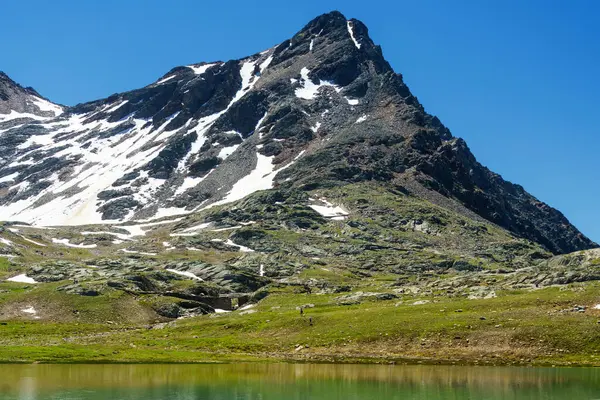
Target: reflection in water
{"type": "Point", "coordinates": [27, 388]}
{"type": "Point", "coordinates": [292, 382]}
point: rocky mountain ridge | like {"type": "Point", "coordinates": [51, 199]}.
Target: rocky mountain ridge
{"type": "Point", "coordinates": [321, 110]}
{"type": "Point", "coordinates": [19, 103]}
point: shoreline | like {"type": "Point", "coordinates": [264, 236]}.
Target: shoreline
{"type": "Point", "coordinates": [249, 358]}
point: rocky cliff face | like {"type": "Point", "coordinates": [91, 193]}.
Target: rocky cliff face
{"type": "Point", "coordinates": [322, 109]}
{"type": "Point", "coordinates": [19, 103]}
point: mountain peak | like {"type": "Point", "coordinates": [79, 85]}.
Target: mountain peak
{"type": "Point", "coordinates": [323, 109]}
{"type": "Point", "coordinates": [326, 21]}
{"type": "Point", "coordinates": [335, 25]}
{"type": "Point", "coordinates": [5, 77]}
{"type": "Point", "coordinates": [19, 103]}
{"type": "Point", "coordinates": [6, 81]}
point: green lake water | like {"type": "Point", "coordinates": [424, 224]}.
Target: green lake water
{"type": "Point", "coordinates": [292, 382]}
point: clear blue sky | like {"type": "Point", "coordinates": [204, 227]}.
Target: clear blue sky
{"type": "Point", "coordinates": [518, 80]}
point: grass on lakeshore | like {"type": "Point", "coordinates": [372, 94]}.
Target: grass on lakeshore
{"type": "Point", "coordinates": [538, 327]}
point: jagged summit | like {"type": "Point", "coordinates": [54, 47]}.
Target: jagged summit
{"type": "Point", "coordinates": [321, 109]}
{"type": "Point", "coordinates": [327, 24]}
{"type": "Point", "coordinates": [18, 103]}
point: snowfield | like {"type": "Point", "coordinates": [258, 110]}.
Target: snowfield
{"type": "Point", "coordinates": [102, 161]}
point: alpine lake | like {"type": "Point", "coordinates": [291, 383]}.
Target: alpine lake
{"type": "Point", "coordinates": [293, 381]}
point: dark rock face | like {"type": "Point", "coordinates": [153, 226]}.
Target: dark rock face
{"type": "Point", "coordinates": [453, 171]}
{"type": "Point", "coordinates": [166, 161]}
{"type": "Point", "coordinates": [325, 105]}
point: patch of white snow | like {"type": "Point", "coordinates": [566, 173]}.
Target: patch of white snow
{"type": "Point", "coordinates": [136, 252]}
{"type": "Point", "coordinates": [184, 273]}
{"type": "Point", "coordinates": [351, 32]}
{"type": "Point", "coordinates": [45, 105]}
{"type": "Point", "coordinates": [9, 178]}
{"type": "Point", "coordinates": [243, 249]}
{"type": "Point", "coordinates": [67, 243]}
{"type": "Point", "coordinates": [329, 210]}
{"type": "Point", "coordinates": [200, 69]}
{"type": "Point", "coordinates": [259, 179]}
{"type": "Point", "coordinates": [116, 106]}
{"type": "Point", "coordinates": [309, 89]}
{"type": "Point", "coordinates": [21, 279]}
{"type": "Point", "coordinates": [137, 230]}
{"type": "Point", "coordinates": [33, 241]}
{"type": "Point", "coordinates": [168, 78]}
{"type": "Point", "coordinates": [227, 151]}
{"type": "Point", "coordinates": [229, 228]}
{"type": "Point", "coordinates": [121, 236]}
{"type": "Point", "coordinates": [192, 230]}
{"type": "Point", "coordinates": [361, 119]}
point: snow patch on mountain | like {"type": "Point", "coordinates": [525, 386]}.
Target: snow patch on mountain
{"type": "Point", "coordinates": [67, 242]}
{"type": "Point", "coordinates": [16, 115]}
{"type": "Point", "coordinates": [192, 230]}
{"type": "Point", "coordinates": [243, 249]}
{"type": "Point", "coordinates": [45, 105]}
{"type": "Point", "coordinates": [248, 80]}
{"type": "Point", "coordinates": [21, 279]}
{"type": "Point", "coordinates": [121, 236]}
{"type": "Point", "coordinates": [32, 241]}
{"type": "Point", "coordinates": [9, 178]}
{"type": "Point", "coordinates": [227, 151]}
{"type": "Point", "coordinates": [138, 229]}
{"type": "Point", "coordinates": [309, 89]}
{"type": "Point", "coordinates": [184, 273]}
{"type": "Point", "coordinates": [117, 106]}
{"type": "Point", "coordinates": [361, 119]}
{"type": "Point", "coordinates": [127, 251]}
{"type": "Point", "coordinates": [201, 69]}
{"type": "Point", "coordinates": [261, 178]}
{"type": "Point", "coordinates": [329, 210]}
{"type": "Point", "coordinates": [189, 183]}
{"type": "Point", "coordinates": [29, 310]}
{"type": "Point", "coordinates": [351, 32]}
{"type": "Point", "coordinates": [168, 78]}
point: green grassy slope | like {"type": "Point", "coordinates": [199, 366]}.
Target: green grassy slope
{"type": "Point", "coordinates": [398, 279]}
